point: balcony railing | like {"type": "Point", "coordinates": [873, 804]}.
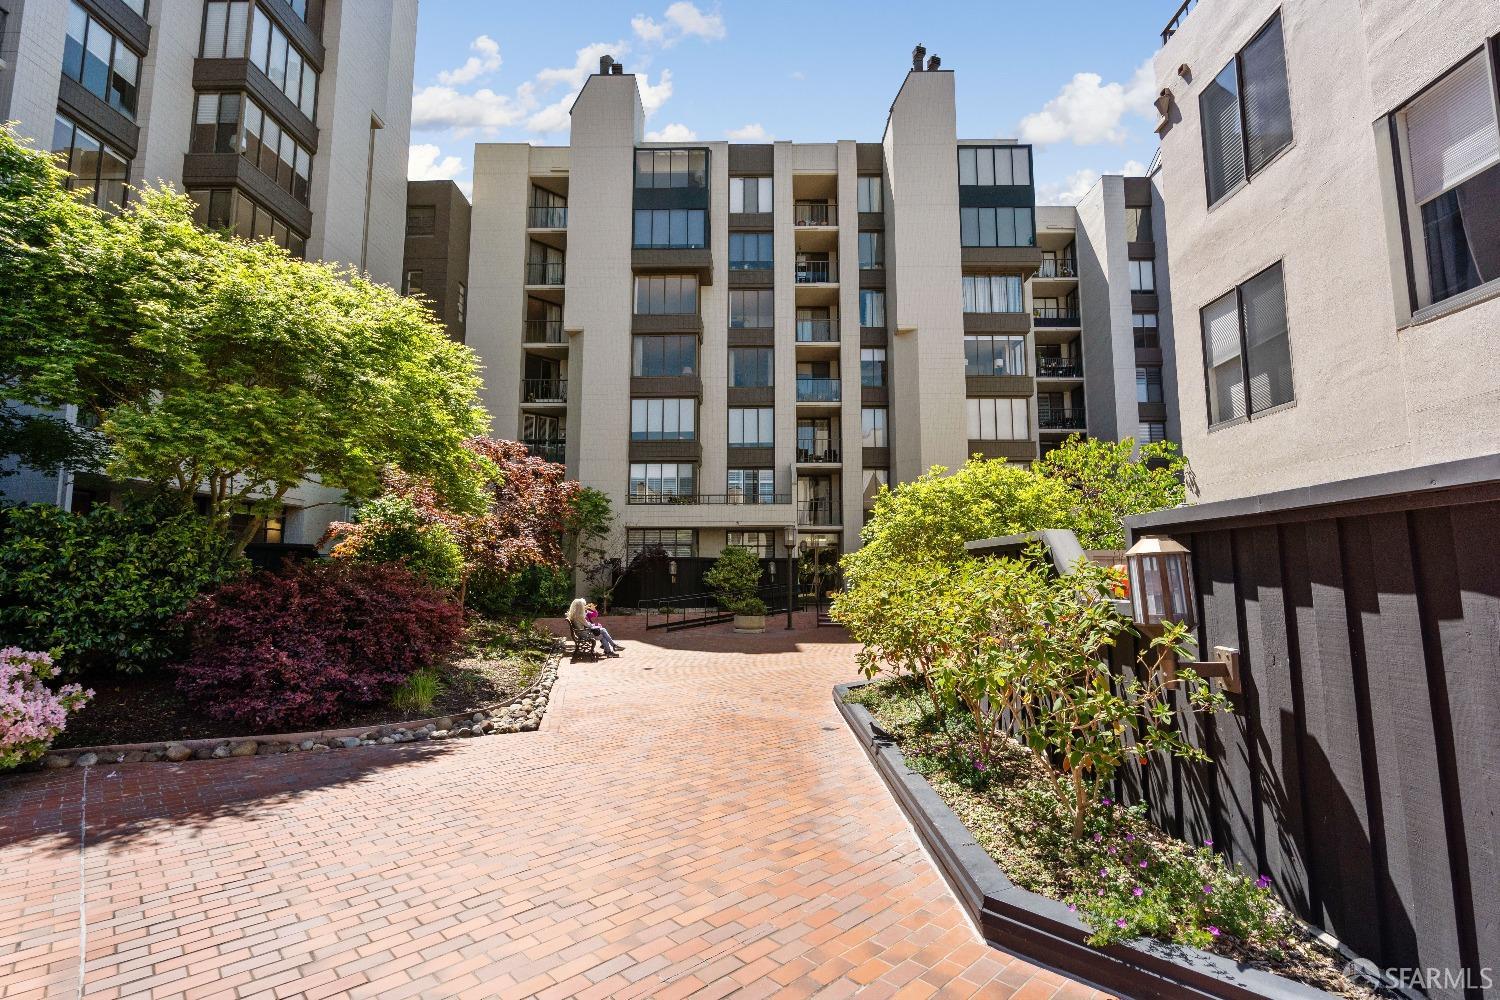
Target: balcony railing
{"type": "Point", "coordinates": [816, 331]}
{"type": "Point", "coordinates": [814, 272]}
{"type": "Point", "coordinates": [544, 390]}
{"type": "Point", "coordinates": [1059, 367]}
{"type": "Point", "coordinates": [749, 265]}
{"type": "Point", "coordinates": [817, 390]}
{"type": "Point", "coordinates": [822, 511]}
{"type": "Point", "coordinates": [815, 213]}
{"type": "Point", "coordinates": [733, 499]}
{"type": "Point", "coordinates": [1177, 19]}
{"type": "Point", "coordinates": [819, 452]}
{"type": "Point", "coordinates": [1055, 315]}
{"type": "Point", "coordinates": [1060, 420]}
{"type": "Point", "coordinates": [544, 273]}
{"type": "Point", "coordinates": [544, 331]}
{"type": "Point", "coordinates": [547, 217]}
{"type": "Point", "coordinates": [1057, 269]}
{"type": "Point", "coordinates": [551, 449]}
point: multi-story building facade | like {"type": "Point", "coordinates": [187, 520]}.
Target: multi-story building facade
{"type": "Point", "coordinates": [740, 343]}
{"type": "Point", "coordinates": [436, 262]}
{"type": "Point", "coordinates": [1332, 180]}
{"type": "Point", "coordinates": [284, 119]}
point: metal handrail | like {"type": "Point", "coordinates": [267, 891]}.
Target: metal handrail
{"type": "Point", "coordinates": [816, 331]}
{"type": "Point", "coordinates": [815, 213]}
{"type": "Point", "coordinates": [1057, 269]}
{"type": "Point", "coordinates": [818, 513]}
{"type": "Point", "coordinates": [544, 272]}
{"type": "Point", "coordinates": [822, 451]}
{"type": "Point", "coordinates": [1054, 312]}
{"type": "Point", "coordinates": [547, 217]}
{"type": "Point", "coordinates": [1048, 419]}
{"type": "Point", "coordinates": [544, 331]}
{"type": "Point", "coordinates": [544, 390]}
{"type": "Point", "coordinates": [1177, 19]}
{"type": "Point", "coordinates": [1059, 368]}
{"type": "Point", "coordinates": [814, 272]}
{"type": "Point", "coordinates": [740, 499]}
{"type": "Point", "coordinates": [817, 390]}
{"type": "Point", "coordinates": [704, 609]}
{"type": "Point", "coordinates": [551, 449]}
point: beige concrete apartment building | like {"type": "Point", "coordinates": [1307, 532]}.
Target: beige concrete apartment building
{"type": "Point", "coordinates": [740, 343]}
{"type": "Point", "coordinates": [1332, 179]}
{"type": "Point", "coordinates": [285, 119]}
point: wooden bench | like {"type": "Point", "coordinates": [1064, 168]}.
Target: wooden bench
{"type": "Point", "coordinates": [584, 642]}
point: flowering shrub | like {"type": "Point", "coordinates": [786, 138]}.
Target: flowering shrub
{"type": "Point", "coordinates": [302, 645]}
{"type": "Point", "coordinates": [391, 530]}
{"type": "Point", "coordinates": [31, 714]}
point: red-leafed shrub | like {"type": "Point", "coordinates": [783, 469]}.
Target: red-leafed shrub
{"type": "Point", "coordinates": [303, 645]}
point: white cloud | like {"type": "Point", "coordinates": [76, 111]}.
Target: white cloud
{"type": "Point", "coordinates": [1071, 189]}
{"type": "Point", "coordinates": [681, 20]}
{"type": "Point", "coordinates": [653, 97]}
{"type": "Point", "coordinates": [439, 107]}
{"type": "Point", "coordinates": [555, 117]}
{"type": "Point", "coordinates": [485, 60]}
{"type": "Point", "coordinates": [675, 132]}
{"type": "Point", "coordinates": [1088, 111]}
{"type": "Point", "coordinates": [753, 132]}
{"type": "Point", "coordinates": [797, 74]}
{"type": "Point", "coordinates": [1133, 168]}
{"type": "Point", "coordinates": [426, 162]}
{"type": "Point", "coordinates": [585, 61]}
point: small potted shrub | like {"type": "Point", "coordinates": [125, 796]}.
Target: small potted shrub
{"type": "Point", "coordinates": [735, 578]}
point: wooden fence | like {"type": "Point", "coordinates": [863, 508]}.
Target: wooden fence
{"type": "Point", "coordinates": [1361, 769]}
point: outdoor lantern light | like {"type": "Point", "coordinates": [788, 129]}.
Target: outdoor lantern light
{"type": "Point", "coordinates": [1161, 582]}
{"type": "Point", "coordinates": [672, 570]}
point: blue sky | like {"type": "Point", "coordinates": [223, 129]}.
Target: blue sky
{"type": "Point", "coordinates": [1071, 77]}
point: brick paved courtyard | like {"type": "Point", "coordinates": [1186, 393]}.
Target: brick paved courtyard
{"type": "Point", "coordinates": [693, 820]}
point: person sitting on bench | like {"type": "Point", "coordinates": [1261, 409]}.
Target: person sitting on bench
{"type": "Point", "coordinates": [578, 618]}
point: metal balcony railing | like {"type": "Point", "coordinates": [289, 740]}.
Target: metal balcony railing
{"type": "Point", "coordinates": [817, 390]}
{"type": "Point", "coordinates": [551, 449]}
{"type": "Point", "coordinates": [814, 272]}
{"type": "Point", "coordinates": [1060, 420]}
{"type": "Point", "coordinates": [817, 331]}
{"type": "Point", "coordinates": [544, 390]}
{"type": "Point", "coordinates": [1059, 368]}
{"type": "Point", "coordinates": [737, 498]}
{"type": "Point", "coordinates": [544, 331]}
{"type": "Point", "coordinates": [544, 273]}
{"type": "Point", "coordinates": [821, 512]}
{"type": "Point", "coordinates": [818, 451]}
{"type": "Point", "coordinates": [1057, 269]}
{"type": "Point", "coordinates": [1055, 315]}
{"type": "Point", "coordinates": [1177, 19]}
{"type": "Point", "coordinates": [815, 213]}
{"type": "Point", "coordinates": [547, 217]}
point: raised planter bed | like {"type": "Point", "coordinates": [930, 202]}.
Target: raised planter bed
{"type": "Point", "coordinates": [1041, 929]}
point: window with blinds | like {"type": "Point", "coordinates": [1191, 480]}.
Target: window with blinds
{"type": "Point", "coordinates": [1247, 353]}
{"type": "Point", "coordinates": [1451, 170]}
{"type": "Point", "coordinates": [1245, 113]}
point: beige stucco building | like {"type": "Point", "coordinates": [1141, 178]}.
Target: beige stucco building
{"type": "Point", "coordinates": [1331, 171]}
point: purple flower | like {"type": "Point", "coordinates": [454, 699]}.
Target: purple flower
{"type": "Point", "coordinates": [1101, 892]}
{"type": "Point", "coordinates": [1213, 930]}
{"type": "Point", "coordinates": [1104, 802]}
{"type": "Point", "coordinates": [1208, 842]}
{"type": "Point", "coordinates": [1264, 882]}
{"type": "Point", "coordinates": [1208, 890]}
{"type": "Point", "coordinates": [1104, 872]}
{"type": "Point", "coordinates": [1137, 892]}
{"type": "Point", "coordinates": [1072, 908]}
{"type": "Point", "coordinates": [1098, 837]}
{"type": "Point", "coordinates": [1130, 838]}
{"type": "Point", "coordinates": [1120, 922]}
{"type": "Point", "coordinates": [1113, 849]}
{"type": "Point", "coordinates": [1143, 864]}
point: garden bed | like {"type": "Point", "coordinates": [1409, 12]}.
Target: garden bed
{"type": "Point", "coordinates": [1002, 840]}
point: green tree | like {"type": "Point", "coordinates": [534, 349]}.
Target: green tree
{"type": "Point", "coordinates": [735, 577]}
{"type": "Point", "coordinates": [394, 531]}
{"type": "Point", "coordinates": [587, 523]}
{"type": "Point", "coordinates": [1107, 482]}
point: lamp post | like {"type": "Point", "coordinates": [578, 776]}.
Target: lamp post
{"type": "Point", "coordinates": [790, 537]}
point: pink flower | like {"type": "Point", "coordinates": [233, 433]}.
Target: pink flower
{"type": "Point", "coordinates": [1213, 930]}
{"type": "Point", "coordinates": [1104, 802]}
{"type": "Point", "coordinates": [1120, 922]}
{"type": "Point", "coordinates": [1130, 838]}
{"type": "Point", "coordinates": [31, 715]}
{"type": "Point", "coordinates": [1137, 892]}
{"type": "Point", "coordinates": [1098, 837]}
{"type": "Point", "coordinates": [1072, 908]}
{"type": "Point", "coordinates": [1104, 872]}
{"type": "Point", "coordinates": [1208, 842]}
{"type": "Point", "coordinates": [1143, 864]}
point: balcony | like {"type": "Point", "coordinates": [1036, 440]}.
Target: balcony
{"type": "Point", "coordinates": [544, 273]}
{"type": "Point", "coordinates": [1177, 19]}
{"type": "Point", "coordinates": [815, 213]}
{"type": "Point", "coordinates": [817, 390]}
{"type": "Point", "coordinates": [543, 331]}
{"type": "Point", "coordinates": [1055, 316]}
{"type": "Point", "coordinates": [734, 499]}
{"type": "Point", "coordinates": [1057, 269]}
{"type": "Point", "coordinates": [550, 449]}
{"type": "Point", "coordinates": [547, 217]}
{"type": "Point", "coordinates": [1059, 368]}
{"type": "Point", "coordinates": [544, 390]}
{"type": "Point", "coordinates": [821, 512]}
{"type": "Point", "coordinates": [1065, 419]}
{"type": "Point", "coordinates": [815, 272]}
{"type": "Point", "coordinates": [818, 452]}
{"type": "Point", "coordinates": [817, 331]}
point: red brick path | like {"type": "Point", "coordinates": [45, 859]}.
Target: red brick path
{"type": "Point", "coordinates": [692, 820]}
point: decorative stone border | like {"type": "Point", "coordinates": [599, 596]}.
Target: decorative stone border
{"type": "Point", "coordinates": [1041, 929]}
{"type": "Point", "coordinates": [520, 714]}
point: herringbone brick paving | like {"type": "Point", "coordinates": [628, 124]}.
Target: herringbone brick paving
{"type": "Point", "coordinates": [693, 819]}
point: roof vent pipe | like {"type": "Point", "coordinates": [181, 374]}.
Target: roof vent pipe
{"type": "Point", "coordinates": [933, 62]}
{"type": "Point", "coordinates": [605, 62]}
{"type": "Point", "coordinates": [618, 69]}
{"type": "Point", "coordinates": [916, 57]}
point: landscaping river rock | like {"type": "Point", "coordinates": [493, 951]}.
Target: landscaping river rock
{"type": "Point", "coordinates": [521, 714]}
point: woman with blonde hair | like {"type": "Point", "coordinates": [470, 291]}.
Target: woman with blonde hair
{"type": "Point", "coordinates": [579, 618]}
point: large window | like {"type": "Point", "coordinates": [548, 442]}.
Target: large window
{"type": "Point", "coordinates": [872, 427]}
{"type": "Point", "coordinates": [226, 26]}
{"type": "Point", "coordinates": [94, 166]}
{"type": "Point", "coordinates": [752, 308]}
{"type": "Point", "coordinates": [1245, 113]}
{"type": "Point", "coordinates": [984, 355]}
{"type": "Point", "coordinates": [999, 419]}
{"type": "Point", "coordinates": [663, 419]}
{"type": "Point", "coordinates": [996, 227]}
{"type": "Point", "coordinates": [1448, 141]}
{"type": "Point", "coordinates": [1148, 384]}
{"type": "Point", "coordinates": [105, 66]}
{"type": "Point", "coordinates": [750, 194]}
{"type": "Point", "coordinates": [274, 55]}
{"type": "Point", "coordinates": [989, 166]}
{"type": "Point", "coordinates": [762, 543]}
{"type": "Point", "coordinates": [871, 251]}
{"type": "Point", "coordinates": [1138, 225]}
{"type": "Point", "coordinates": [666, 295]}
{"type": "Point", "coordinates": [872, 366]}
{"type": "Point", "coordinates": [674, 542]}
{"type": "Point", "coordinates": [751, 367]}
{"type": "Point", "coordinates": [752, 427]}
{"type": "Point", "coordinates": [217, 128]}
{"type": "Point", "coordinates": [993, 293]}
{"type": "Point", "coordinates": [672, 354]}
{"type": "Point", "coordinates": [229, 209]}
{"type": "Point", "coordinates": [870, 198]}
{"type": "Point", "coordinates": [1143, 276]}
{"type": "Point", "coordinates": [1145, 330]}
{"type": "Point", "coordinates": [1247, 354]}
{"type": "Point", "coordinates": [749, 251]}
{"type": "Point", "coordinates": [671, 168]}
{"type": "Point", "coordinates": [752, 486]}
{"type": "Point", "coordinates": [871, 307]}
{"type": "Point", "coordinates": [676, 228]}
{"type": "Point", "coordinates": [660, 481]}
{"type": "Point", "coordinates": [875, 481]}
